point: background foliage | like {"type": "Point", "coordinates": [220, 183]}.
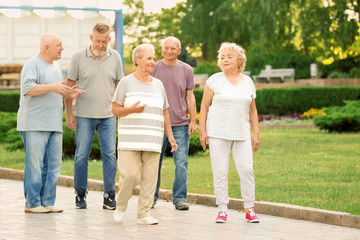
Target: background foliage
{"type": "Point", "coordinates": [290, 100]}
{"type": "Point", "coordinates": [340, 119]}
{"type": "Point", "coordinates": [12, 138]}
{"type": "Point", "coordinates": [282, 33]}
{"type": "Point", "coordinates": [7, 122]}
{"type": "Point", "coordinates": [9, 101]}
{"type": "Point", "coordinates": [276, 101]}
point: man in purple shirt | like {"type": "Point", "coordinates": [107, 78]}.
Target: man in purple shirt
{"type": "Point", "coordinates": [178, 80]}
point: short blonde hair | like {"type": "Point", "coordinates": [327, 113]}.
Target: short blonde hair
{"type": "Point", "coordinates": [233, 47]}
{"type": "Point", "coordinates": [138, 52]}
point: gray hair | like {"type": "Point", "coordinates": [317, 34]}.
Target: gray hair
{"type": "Point", "coordinates": [138, 52]}
{"type": "Point", "coordinates": [171, 38]}
{"type": "Point", "coordinates": [101, 28]}
{"type": "Point", "coordinates": [233, 47]}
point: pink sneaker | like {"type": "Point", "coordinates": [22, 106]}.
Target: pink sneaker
{"type": "Point", "coordinates": [221, 218]}
{"type": "Point", "coordinates": [251, 217]}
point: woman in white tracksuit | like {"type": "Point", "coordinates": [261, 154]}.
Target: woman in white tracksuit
{"type": "Point", "coordinates": [225, 126]}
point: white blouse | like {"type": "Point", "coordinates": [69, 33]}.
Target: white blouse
{"type": "Point", "coordinates": [228, 117]}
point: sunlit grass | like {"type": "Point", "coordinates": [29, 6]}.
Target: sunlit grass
{"type": "Point", "coordinates": [305, 167]}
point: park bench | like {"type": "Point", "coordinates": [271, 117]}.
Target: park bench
{"type": "Point", "coordinates": [275, 75]}
{"type": "Point", "coordinates": [200, 80]}
{"type": "Point", "coordinates": [10, 74]}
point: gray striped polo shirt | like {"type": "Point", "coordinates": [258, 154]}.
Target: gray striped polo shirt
{"type": "Point", "coordinates": [141, 131]}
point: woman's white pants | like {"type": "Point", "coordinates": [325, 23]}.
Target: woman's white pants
{"type": "Point", "coordinates": [220, 150]}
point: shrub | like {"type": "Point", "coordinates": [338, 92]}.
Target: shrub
{"type": "Point", "coordinates": [198, 93]}
{"type": "Point", "coordinates": [14, 140]}
{"type": "Point", "coordinates": [207, 67]}
{"type": "Point", "coordinates": [69, 145]}
{"type": "Point", "coordinates": [9, 135]}
{"type": "Point", "coordinates": [194, 147]}
{"type": "Point", "coordinates": [7, 122]}
{"type": "Point", "coordinates": [336, 74]}
{"type": "Point", "coordinates": [355, 72]}
{"type": "Point", "coordinates": [340, 118]}
{"type": "Point", "coordinates": [9, 101]}
{"type": "Point", "coordinates": [8, 132]}
{"type": "Point", "coordinates": [289, 100]}
{"type": "Point", "coordinates": [68, 141]}
{"type": "Point", "coordinates": [184, 56]}
{"type": "Point", "coordinates": [292, 100]}
{"type": "Point", "coordinates": [256, 62]}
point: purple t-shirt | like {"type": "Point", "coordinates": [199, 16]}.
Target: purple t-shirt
{"type": "Point", "coordinates": [177, 79]}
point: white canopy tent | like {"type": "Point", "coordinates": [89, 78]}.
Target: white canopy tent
{"type": "Point", "coordinates": [19, 37]}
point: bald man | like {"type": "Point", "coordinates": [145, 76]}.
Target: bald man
{"type": "Point", "coordinates": [178, 80]}
{"type": "Point", "coordinates": [39, 121]}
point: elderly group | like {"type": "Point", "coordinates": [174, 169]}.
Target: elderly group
{"type": "Point", "coordinates": [155, 106]}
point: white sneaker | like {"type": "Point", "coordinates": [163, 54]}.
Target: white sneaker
{"type": "Point", "coordinates": [118, 216]}
{"type": "Point", "coordinates": [38, 209]}
{"type": "Point", "coordinates": [148, 221]}
{"type": "Point", "coordinates": [54, 209]}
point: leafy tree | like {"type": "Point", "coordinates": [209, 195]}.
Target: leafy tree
{"type": "Point", "coordinates": [169, 24]}
{"type": "Point", "coordinates": [325, 30]}
{"type": "Point", "coordinates": [264, 24]}
{"type": "Point", "coordinates": [141, 27]}
{"type": "Point", "coordinates": [328, 28]}
{"type": "Point", "coordinates": [201, 23]}
{"type": "Point", "coordinates": [137, 24]}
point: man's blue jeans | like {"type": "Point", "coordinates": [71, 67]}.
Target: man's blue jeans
{"type": "Point", "coordinates": [84, 134]}
{"type": "Point", "coordinates": [182, 139]}
{"type": "Point", "coordinates": [43, 155]}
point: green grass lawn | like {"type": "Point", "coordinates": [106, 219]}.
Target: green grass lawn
{"type": "Point", "coordinates": [302, 166]}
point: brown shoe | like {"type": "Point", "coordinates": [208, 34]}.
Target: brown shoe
{"type": "Point", "coordinates": [182, 205]}
{"type": "Point", "coordinates": [54, 209]}
{"type": "Point", "coordinates": [39, 209]}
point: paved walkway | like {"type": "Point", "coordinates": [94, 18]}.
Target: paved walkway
{"type": "Point", "coordinates": [195, 224]}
